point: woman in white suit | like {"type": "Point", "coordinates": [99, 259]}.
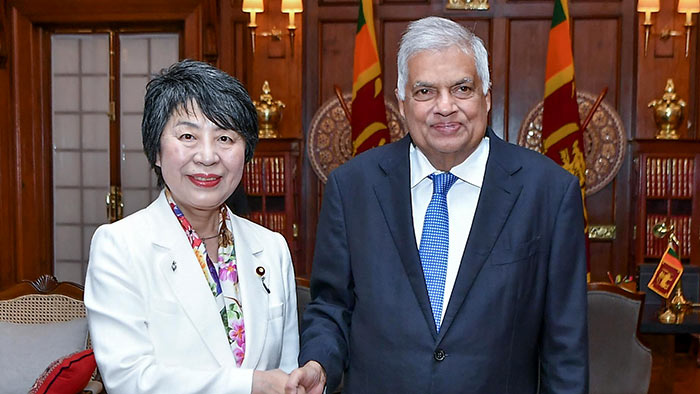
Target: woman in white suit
{"type": "Point", "coordinates": [184, 296]}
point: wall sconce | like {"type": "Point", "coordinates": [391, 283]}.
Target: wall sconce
{"type": "Point", "coordinates": [647, 7]}
{"type": "Point", "coordinates": [253, 7]}
{"type": "Point", "coordinates": [290, 7]}
{"type": "Point", "coordinates": [688, 7]}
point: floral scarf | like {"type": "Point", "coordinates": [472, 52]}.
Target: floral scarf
{"type": "Point", "coordinates": [221, 276]}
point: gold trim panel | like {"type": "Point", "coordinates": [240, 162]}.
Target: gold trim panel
{"type": "Point", "coordinates": [602, 232]}
{"type": "Point", "coordinates": [479, 5]}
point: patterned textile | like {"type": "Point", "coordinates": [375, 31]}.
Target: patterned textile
{"type": "Point", "coordinates": [435, 243]}
{"type": "Point", "coordinates": [222, 276]}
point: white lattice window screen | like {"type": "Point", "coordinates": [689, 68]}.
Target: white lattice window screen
{"type": "Point", "coordinates": [142, 56]}
{"type": "Point", "coordinates": [80, 104]}
{"type": "Point", "coordinates": [80, 123]}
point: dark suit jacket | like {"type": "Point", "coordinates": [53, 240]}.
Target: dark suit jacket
{"type": "Point", "coordinates": [517, 314]}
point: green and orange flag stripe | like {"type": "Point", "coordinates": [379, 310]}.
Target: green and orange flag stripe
{"type": "Point", "coordinates": [368, 120]}
{"type": "Point", "coordinates": [562, 137]}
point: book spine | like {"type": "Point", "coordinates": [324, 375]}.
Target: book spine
{"type": "Point", "coordinates": [674, 177]}
{"type": "Point", "coordinates": [652, 176]}
{"type": "Point", "coordinates": [689, 176]}
{"type": "Point", "coordinates": [283, 187]}
{"type": "Point", "coordinates": [647, 178]}
{"type": "Point", "coordinates": [256, 175]}
{"type": "Point", "coordinates": [277, 174]}
{"type": "Point", "coordinates": [663, 163]}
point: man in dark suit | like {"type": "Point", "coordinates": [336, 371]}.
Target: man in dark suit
{"type": "Point", "coordinates": [449, 261]}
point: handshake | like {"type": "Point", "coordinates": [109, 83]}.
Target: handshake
{"type": "Point", "coordinates": [309, 379]}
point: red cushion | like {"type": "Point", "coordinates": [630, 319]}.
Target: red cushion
{"type": "Point", "coordinates": [67, 375]}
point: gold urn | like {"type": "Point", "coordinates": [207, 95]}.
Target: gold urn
{"type": "Point", "coordinates": [269, 113]}
{"type": "Point", "coordinates": [668, 112]}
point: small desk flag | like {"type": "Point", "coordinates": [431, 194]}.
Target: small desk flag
{"type": "Point", "coordinates": [668, 272]}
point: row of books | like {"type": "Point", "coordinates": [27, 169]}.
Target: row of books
{"type": "Point", "coordinates": [655, 247]}
{"type": "Point", "coordinates": [275, 221]}
{"type": "Point", "coordinates": [264, 175]}
{"type": "Point", "coordinates": [669, 177]}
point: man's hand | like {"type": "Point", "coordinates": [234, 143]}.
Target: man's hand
{"type": "Point", "coordinates": [269, 382]}
{"type": "Point", "coordinates": [309, 379]}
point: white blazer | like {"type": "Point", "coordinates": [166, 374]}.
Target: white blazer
{"type": "Point", "coordinates": [154, 324]}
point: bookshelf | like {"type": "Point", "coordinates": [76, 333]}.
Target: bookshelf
{"type": "Point", "coordinates": [667, 189]}
{"type": "Point", "coordinates": [270, 182]}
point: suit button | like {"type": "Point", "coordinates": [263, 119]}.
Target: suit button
{"type": "Point", "coordinates": [439, 355]}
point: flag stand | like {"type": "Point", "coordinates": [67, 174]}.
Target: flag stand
{"type": "Point", "coordinates": [676, 307]}
{"type": "Point", "coordinates": [676, 304]}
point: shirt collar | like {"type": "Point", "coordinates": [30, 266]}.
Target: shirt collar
{"type": "Point", "coordinates": [471, 170]}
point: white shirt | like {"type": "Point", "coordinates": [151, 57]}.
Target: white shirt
{"type": "Point", "coordinates": [461, 203]}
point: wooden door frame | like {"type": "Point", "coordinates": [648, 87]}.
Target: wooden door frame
{"type": "Point", "coordinates": [27, 188]}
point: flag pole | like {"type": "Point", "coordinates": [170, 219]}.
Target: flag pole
{"type": "Point", "coordinates": [595, 106]}
{"type": "Point", "coordinates": [343, 104]}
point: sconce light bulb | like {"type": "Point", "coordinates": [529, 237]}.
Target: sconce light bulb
{"type": "Point", "coordinates": [688, 19]}
{"type": "Point", "coordinates": [291, 25]}
{"type": "Point", "coordinates": [252, 20]}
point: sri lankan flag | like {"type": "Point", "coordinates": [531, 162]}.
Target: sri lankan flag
{"type": "Point", "coordinates": [562, 137]}
{"type": "Point", "coordinates": [368, 119]}
{"type": "Point", "coordinates": [667, 273]}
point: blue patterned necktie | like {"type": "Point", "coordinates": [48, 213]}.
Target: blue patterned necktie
{"type": "Point", "coordinates": [435, 243]}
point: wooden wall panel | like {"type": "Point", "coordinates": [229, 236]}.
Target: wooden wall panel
{"type": "Point", "coordinates": [91, 11]}
{"type": "Point", "coordinates": [596, 56]}
{"type": "Point", "coordinates": [393, 30]}
{"type": "Point", "coordinates": [596, 67]}
{"type": "Point", "coordinates": [322, 3]}
{"type": "Point", "coordinates": [8, 184]}
{"type": "Point", "coordinates": [527, 55]}
{"type": "Point", "coordinates": [33, 210]}
{"type": "Point", "coordinates": [239, 39]}
{"type": "Point", "coordinates": [336, 62]}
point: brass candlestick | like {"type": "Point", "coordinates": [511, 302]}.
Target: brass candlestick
{"type": "Point", "coordinates": [269, 113]}
{"type": "Point", "coordinates": [668, 112]}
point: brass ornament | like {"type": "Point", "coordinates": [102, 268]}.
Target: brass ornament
{"type": "Point", "coordinates": [604, 141]}
{"type": "Point", "coordinates": [668, 112]}
{"type": "Point", "coordinates": [661, 230]}
{"type": "Point", "coordinates": [479, 5]}
{"type": "Point", "coordinates": [679, 304]}
{"type": "Point", "coordinates": [269, 113]}
{"type": "Point", "coordinates": [329, 140]}
{"type": "Point", "coordinates": [602, 232]}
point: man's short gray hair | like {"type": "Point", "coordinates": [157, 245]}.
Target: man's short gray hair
{"type": "Point", "coordinates": [434, 33]}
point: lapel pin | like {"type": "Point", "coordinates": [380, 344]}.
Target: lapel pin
{"type": "Point", "coordinates": [174, 266]}
{"type": "Point", "coordinates": [261, 273]}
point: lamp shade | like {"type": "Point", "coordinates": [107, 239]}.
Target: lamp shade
{"type": "Point", "coordinates": [253, 6]}
{"type": "Point", "coordinates": [648, 6]}
{"type": "Point", "coordinates": [292, 6]}
{"type": "Point", "coordinates": [688, 6]}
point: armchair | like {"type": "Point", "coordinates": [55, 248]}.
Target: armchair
{"type": "Point", "coordinates": [619, 363]}
{"type": "Point", "coordinates": [42, 322]}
